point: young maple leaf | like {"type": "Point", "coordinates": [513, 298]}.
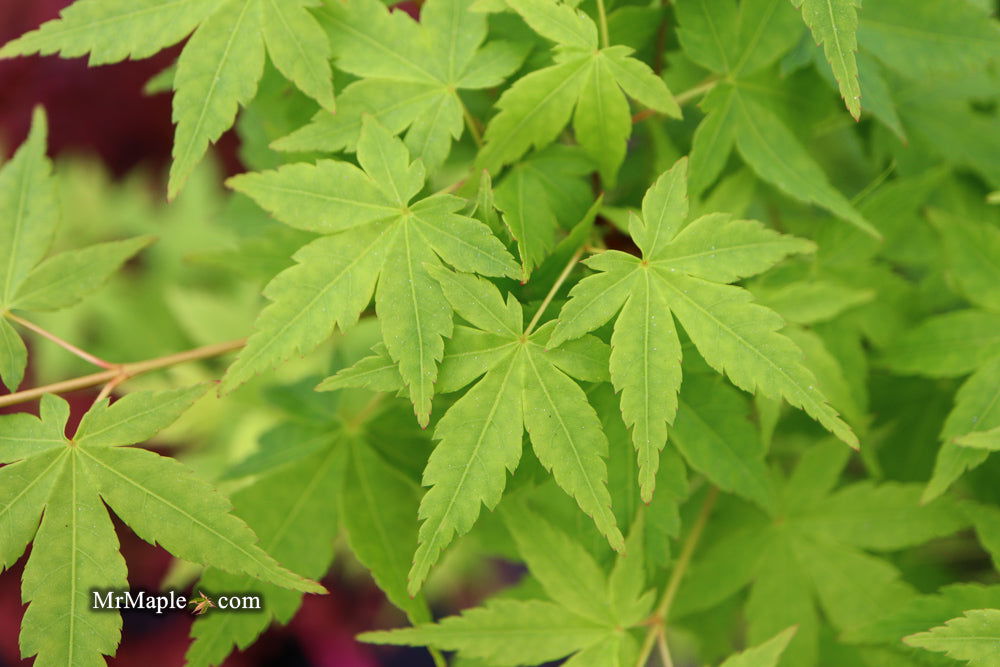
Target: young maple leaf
{"type": "Point", "coordinates": [523, 386]}
{"type": "Point", "coordinates": [411, 74]}
{"type": "Point", "coordinates": [217, 71]}
{"type": "Point", "coordinates": [201, 604]}
{"type": "Point", "coordinates": [389, 243]}
{"type": "Point", "coordinates": [593, 80]}
{"type": "Point", "coordinates": [75, 549]}
{"type": "Point", "coordinates": [683, 272]}
{"type": "Point", "coordinates": [29, 214]}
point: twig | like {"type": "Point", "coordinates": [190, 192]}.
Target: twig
{"type": "Point", "coordinates": [86, 356]}
{"type": "Point", "coordinates": [659, 618]}
{"type": "Point", "coordinates": [125, 371]}
{"type": "Point", "coordinates": [552, 292]}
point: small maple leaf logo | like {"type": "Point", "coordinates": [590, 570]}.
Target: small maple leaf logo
{"type": "Point", "coordinates": [201, 603]}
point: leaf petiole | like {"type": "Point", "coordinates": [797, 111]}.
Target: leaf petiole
{"type": "Point", "coordinates": [86, 356]}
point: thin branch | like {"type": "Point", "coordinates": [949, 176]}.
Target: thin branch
{"type": "Point", "coordinates": [125, 371]}
{"type": "Point", "coordinates": [552, 292]}
{"type": "Point", "coordinates": [661, 646]}
{"type": "Point", "coordinates": [658, 620]}
{"type": "Point", "coordinates": [86, 356]}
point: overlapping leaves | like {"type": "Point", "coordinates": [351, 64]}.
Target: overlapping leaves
{"type": "Point", "coordinates": [377, 239]}
{"type": "Point", "coordinates": [75, 549]}
{"type": "Point", "coordinates": [683, 272]}
{"type": "Point", "coordinates": [220, 66]}
{"type": "Point", "coordinates": [593, 79]}
{"type": "Point", "coordinates": [410, 75]}
{"type": "Point", "coordinates": [28, 220]}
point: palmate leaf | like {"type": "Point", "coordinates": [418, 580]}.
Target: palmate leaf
{"type": "Point", "coordinates": [335, 276]}
{"type": "Point", "coordinates": [410, 75]}
{"type": "Point", "coordinates": [682, 273]}
{"type": "Point", "coordinates": [75, 549]}
{"type": "Point", "coordinates": [524, 385]}
{"type": "Point", "coordinates": [578, 620]}
{"type": "Point", "coordinates": [290, 510]}
{"type": "Point", "coordinates": [834, 24]}
{"type": "Point", "coordinates": [28, 219]}
{"type": "Point", "coordinates": [811, 552]}
{"type": "Point", "coordinates": [317, 476]}
{"type": "Point", "coordinates": [217, 71]}
{"type": "Point", "coordinates": [974, 637]}
{"type": "Point", "coordinates": [594, 81]}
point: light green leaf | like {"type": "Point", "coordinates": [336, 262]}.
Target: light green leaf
{"type": "Point", "coordinates": [299, 48]}
{"type": "Point", "coordinates": [164, 503]}
{"type": "Point", "coordinates": [376, 506]}
{"type": "Point", "coordinates": [981, 439]}
{"type": "Point", "coordinates": [763, 655]}
{"type": "Point", "coordinates": [24, 488]}
{"type": "Point", "coordinates": [13, 356]}
{"type": "Point", "coordinates": [664, 212]}
{"type": "Point", "coordinates": [324, 198]}
{"type": "Point", "coordinates": [28, 213]}
{"type": "Point", "coordinates": [217, 71]}
{"type": "Point", "coordinates": [974, 637]}
{"type": "Point", "coordinates": [62, 280]}
{"type": "Point", "coordinates": [718, 248]}
{"type": "Point", "coordinates": [567, 438]}
{"type": "Point", "coordinates": [741, 338]}
{"type": "Point", "coordinates": [290, 509]}
{"type": "Point", "coordinates": [135, 417]}
{"type": "Point", "coordinates": [834, 24]}
{"type": "Point", "coordinates": [504, 633]}
{"type": "Point", "coordinates": [602, 122]}
{"type": "Point", "coordinates": [558, 22]}
{"type": "Point", "coordinates": [777, 156]}
{"type": "Point", "coordinates": [569, 575]}
{"type": "Point", "coordinates": [24, 435]}
{"type": "Point", "coordinates": [533, 111]}
{"type": "Point", "coordinates": [311, 298]}
{"type": "Point", "coordinates": [639, 81]}
{"type": "Point", "coordinates": [74, 553]}
{"type": "Point", "coordinates": [480, 441]}
{"type": "Point", "coordinates": [113, 30]}
{"type": "Point", "coordinates": [716, 437]}
{"type": "Point", "coordinates": [646, 369]}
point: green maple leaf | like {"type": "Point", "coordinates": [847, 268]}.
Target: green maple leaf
{"type": "Point", "coordinates": [217, 71]}
{"type": "Point", "coordinates": [410, 74]}
{"type": "Point", "coordinates": [389, 243]}
{"type": "Point", "coordinates": [812, 550]}
{"type": "Point", "coordinates": [683, 272]}
{"type": "Point", "coordinates": [521, 386]}
{"type": "Point", "coordinates": [583, 617]}
{"type": "Point", "coordinates": [28, 220]}
{"type": "Point", "coordinates": [834, 23]}
{"type": "Point", "coordinates": [594, 81]}
{"type": "Point", "coordinates": [766, 654]}
{"type": "Point", "coordinates": [974, 637]}
{"type": "Point", "coordinates": [75, 550]}
{"type": "Point", "coordinates": [318, 474]}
